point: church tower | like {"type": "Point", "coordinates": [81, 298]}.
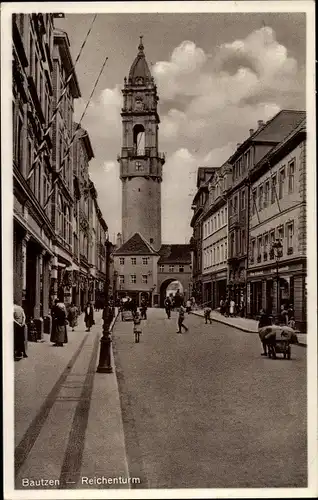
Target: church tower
{"type": "Point", "coordinates": [140, 161]}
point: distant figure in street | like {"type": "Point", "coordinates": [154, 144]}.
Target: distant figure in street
{"type": "Point", "coordinates": [89, 316]}
{"type": "Point", "coordinates": [167, 304]}
{"type": "Point", "coordinates": [207, 314]}
{"type": "Point", "coordinates": [59, 332]}
{"type": "Point", "coordinates": [193, 302]}
{"type": "Point", "coordinates": [143, 309]}
{"type": "Point", "coordinates": [72, 316]}
{"type": "Point", "coordinates": [264, 321]}
{"type": "Point", "coordinates": [137, 326]}
{"type": "Point", "coordinates": [283, 316]}
{"type": "Point", "coordinates": [232, 308]}
{"type": "Point", "coordinates": [19, 332]}
{"type": "Point", "coordinates": [181, 315]}
{"type": "Point", "coordinates": [178, 299]}
{"type": "Point", "coordinates": [290, 312]}
{"type": "Point", "coordinates": [188, 306]}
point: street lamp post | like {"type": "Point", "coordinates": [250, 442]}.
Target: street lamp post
{"type": "Point", "coordinates": [277, 249]}
{"type": "Point", "coordinates": [104, 365]}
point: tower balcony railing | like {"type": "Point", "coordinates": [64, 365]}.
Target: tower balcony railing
{"type": "Point", "coordinates": [135, 152]}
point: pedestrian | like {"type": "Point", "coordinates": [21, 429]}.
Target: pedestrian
{"type": "Point", "coordinates": [181, 315]}
{"type": "Point", "coordinates": [232, 308]}
{"type": "Point", "coordinates": [143, 309]}
{"type": "Point", "coordinates": [188, 306]}
{"type": "Point", "coordinates": [222, 306]}
{"type": "Point", "coordinates": [178, 299]}
{"type": "Point", "coordinates": [59, 332]}
{"type": "Point", "coordinates": [292, 323]}
{"type": "Point", "coordinates": [283, 316]}
{"type": "Point", "coordinates": [193, 302]}
{"type": "Point", "coordinates": [19, 330]}
{"type": "Point", "coordinates": [167, 304]}
{"type": "Point", "coordinates": [137, 326]}
{"type": "Point", "coordinates": [207, 314]}
{"type": "Point", "coordinates": [89, 316]}
{"type": "Point", "coordinates": [290, 312]}
{"type": "Point", "coordinates": [72, 316]}
{"type": "Point", "coordinates": [264, 321]}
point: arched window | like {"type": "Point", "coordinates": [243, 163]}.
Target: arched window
{"type": "Point", "coordinates": [139, 139]}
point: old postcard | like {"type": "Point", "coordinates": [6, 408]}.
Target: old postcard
{"type": "Point", "coordinates": [159, 250]}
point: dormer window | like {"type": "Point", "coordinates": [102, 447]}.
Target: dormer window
{"type": "Point", "coordinates": [139, 80]}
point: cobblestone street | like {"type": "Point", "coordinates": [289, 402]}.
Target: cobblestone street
{"type": "Point", "coordinates": [204, 409]}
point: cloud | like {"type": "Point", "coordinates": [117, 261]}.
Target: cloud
{"type": "Point", "coordinates": [209, 100]}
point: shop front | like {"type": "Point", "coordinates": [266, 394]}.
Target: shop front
{"type": "Point", "coordinates": [219, 287]}
{"type": "Point", "coordinates": [269, 290]}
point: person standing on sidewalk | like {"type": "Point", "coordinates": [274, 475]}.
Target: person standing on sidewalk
{"type": "Point", "coordinates": [59, 332]}
{"type": "Point", "coordinates": [89, 316]}
{"type": "Point", "coordinates": [181, 315]}
{"type": "Point", "coordinates": [72, 316]}
{"type": "Point", "coordinates": [19, 332]}
{"type": "Point", "coordinates": [232, 308]}
{"type": "Point", "coordinates": [207, 315]}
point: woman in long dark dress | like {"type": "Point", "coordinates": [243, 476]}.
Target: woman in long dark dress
{"type": "Point", "coordinates": [19, 332]}
{"type": "Point", "coordinates": [89, 316]}
{"type": "Point", "coordinates": [59, 331]}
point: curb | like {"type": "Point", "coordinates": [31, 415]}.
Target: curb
{"type": "Point", "coordinates": [301, 344]}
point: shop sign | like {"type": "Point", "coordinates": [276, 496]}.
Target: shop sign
{"type": "Point", "coordinates": [256, 273]}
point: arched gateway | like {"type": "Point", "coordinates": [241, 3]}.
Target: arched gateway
{"type": "Point", "coordinates": [165, 285]}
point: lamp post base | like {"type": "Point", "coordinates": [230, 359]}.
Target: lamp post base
{"type": "Point", "coordinates": [104, 365]}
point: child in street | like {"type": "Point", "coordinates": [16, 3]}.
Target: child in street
{"type": "Point", "coordinates": [137, 327]}
{"type": "Point", "coordinates": [182, 311]}
{"type": "Point", "coordinates": [207, 315]}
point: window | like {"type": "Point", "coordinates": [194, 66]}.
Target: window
{"type": "Point", "coordinates": [266, 241]}
{"type": "Point", "coordinates": [139, 166]}
{"type": "Point", "coordinates": [260, 197]}
{"type": "Point", "coordinates": [144, 279]}
{"type": "Point", "coordinates": [259, 248]}
{"type": "Point", "coordinates": [252, 250]}
{"type": "Point", "coordinates": [253, 201]}
{"type": "Point", "coordinates": [222, 254]}
{"type": "Point", "coordinates": [133, 279]}
{"type": "Point", "coordinates": [281, 183]}
{"type": "Point", "coordinates": [243, 239]}
{"type": "Point", "coordinates": [281, 233]}
{"type": "Point", "coordinates": [243, 200]}
{"type": "Point", "coordinates": [181, 269]}
{"type": "Point", "coordinates": [171, 268]}
{"type": "Point", "coordinates": [225, 251]}
{"type": "Point", "coordinates": [235, 205]}
{"type": "Point", "coordinates": [214, 260]}
{"type": "Point", "coordinates": [290, 237]}
{"type": "Point", "coordinates": [121, 279]}
{"type": "Point", "coordinates": [291, 176]}
{"type": "Point", "coordinates": [215, 227]}
{"type": "Point", "coordinates": [222, 218]}
{"type": "Point", "coordinates": [133, 261]}
{"type": "Point", "coordinates": [161, 268]}
{"type": "Point", "coordinates": [218, 220]}
{"type": "Point", "coordinates": [121, 261]}
{"type": "Point", "coordinates": [273, 193]}
{"type": "Point", "coordinates": [218, 254]}
{"type": "Point", "coordinates": [266, 194]}
{"type": "Point", "coordinates": [225, 214]}
{"type": "Point", "coordinates": [145, 261]}
{"type": "Point", "coordinates": [272, 241]}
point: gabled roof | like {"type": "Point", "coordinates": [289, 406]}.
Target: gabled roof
{"type": "Point", "coordinates": [175, 254]}
{"type": "Point", "coordinates": [136, 245]}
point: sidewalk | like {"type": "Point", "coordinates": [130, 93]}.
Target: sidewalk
{"type": "Point", "coordinates": [68, 423]}
{"type": "Point", "coordinates": [244, 324]}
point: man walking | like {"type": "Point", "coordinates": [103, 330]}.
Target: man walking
{"type": "Point", "coordinates": [167, 304]}
{"type": "Point", "coordinates": [182, 311]}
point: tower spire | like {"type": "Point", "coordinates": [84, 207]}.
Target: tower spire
{"type": "Point", "coordinates": [141, 45]}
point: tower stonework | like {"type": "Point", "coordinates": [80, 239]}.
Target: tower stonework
{"type": "Point", "coordinates": [140, 161]}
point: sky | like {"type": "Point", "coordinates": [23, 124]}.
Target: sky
{"type": "Point", "coordinates": [217, 75]}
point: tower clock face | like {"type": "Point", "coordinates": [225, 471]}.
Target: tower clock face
{"type": "Point", "coordinates": [139, 81]}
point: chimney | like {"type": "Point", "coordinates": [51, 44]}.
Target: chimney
{"type": "Point", "coordinates": [260, 123]}
{"type": "Point", "coordinates": [251, 131]}
{"type": "Point", "coordinates": [118, 240]}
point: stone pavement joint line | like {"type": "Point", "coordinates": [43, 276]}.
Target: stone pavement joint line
{"type": "Point", "coordinates": [71, 467]}
{"type": "Point", "coordinates": [27, 442]}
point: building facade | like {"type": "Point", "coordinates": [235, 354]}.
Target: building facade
{"type": "Point", "coordinates": [47, 178]}
{"type": "Point", "coordinates": [215, 238]}
{"type": "Point", "coordinates": [32, 101]}
{"type": "Point", "coordinates": [278, 212]}
{"type": "Point", "coordinates": [204, 176]}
